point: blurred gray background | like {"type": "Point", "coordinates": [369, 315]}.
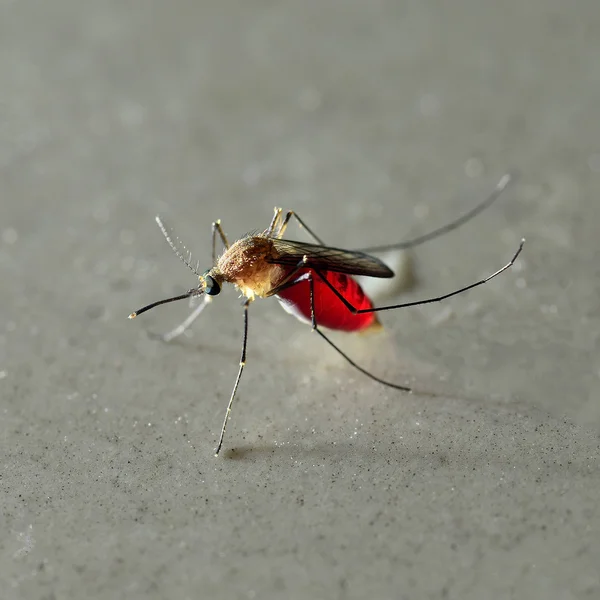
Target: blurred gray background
{"type": "Point", "coordinates": [374, 121]}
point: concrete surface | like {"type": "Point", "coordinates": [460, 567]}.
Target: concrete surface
{"type": "Point", "coordinates": [374, 120]}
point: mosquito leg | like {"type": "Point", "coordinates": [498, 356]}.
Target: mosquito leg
{"type": "Point", "coordinates": [274, 221]}
{"type": "Point", "coordinates": [504, 182]}
{"type": "Point", "coordinates": [500, 187]}
{"type": "Point", "coordinates": [237, 380]}
{"type": "Point", "coordinates": [177, 331]}
{"type": "Point", "coordinates": [301, 224]}
{"type": "Point", "coordinates": [315, 327]}
{"type": "Point", "coordinates": [356, 311]}
{"type": "Point", "coordinates": [288, 280]}
{"type": "Point", "coordinates": [216, 228]}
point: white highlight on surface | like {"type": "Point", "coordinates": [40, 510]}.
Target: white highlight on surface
{"type": "Point", "coordinates": [132, 114]}
{"type": "Point", "coordinates": [421, 211]}
{"type": "Point", "coordinates": [10, 236]}
{"type": "Point", "coordinates": [101, 213]}
{"type": "Point", "coordinates": [474, 168]}
{"type": "Point", "coordinates": [549, 309]}
{"type": "Point", "coordinates": [127, 263]}
{"type": "Point", "coordinates": [442, 316]}
{"type": "Point", "coordinates": [518, 266]}
{"type": "Point", "coordinates": [28, 541]}
{"type": "Point", "coordinates": [310, 99]}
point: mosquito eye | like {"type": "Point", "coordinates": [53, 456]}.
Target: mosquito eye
{"type": "Point", "coordinates": [212, 288]}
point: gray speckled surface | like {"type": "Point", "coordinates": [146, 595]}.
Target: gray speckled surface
{"type": "Point", "coordinates": [374, 121]}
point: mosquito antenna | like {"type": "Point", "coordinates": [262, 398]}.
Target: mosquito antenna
{"type": "Point", "coordinates": [176, 246]}
{"type": "Point", "coordinates": [133, 315]}
{"type": "Point", "coordinates": [500, 187]}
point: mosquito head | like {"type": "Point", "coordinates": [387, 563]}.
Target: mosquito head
{"type": "Point", "coordinates": [209, 283]}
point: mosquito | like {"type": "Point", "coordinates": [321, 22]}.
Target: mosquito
{"type": "Point", "coordinates": [312, 281]}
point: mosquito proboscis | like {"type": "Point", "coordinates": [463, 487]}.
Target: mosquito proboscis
{"type": "Point", "coordinates": [312, 281]}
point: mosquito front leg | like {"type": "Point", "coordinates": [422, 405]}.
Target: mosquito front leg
{"type": "Point", "coordinates": [216, 228]}
{"type": "Point", "coordinates": [274, 224]}
{"type": "Point", "coordinates": [301, 224]}
{"type": "Point", "coordinates": [237, 380]}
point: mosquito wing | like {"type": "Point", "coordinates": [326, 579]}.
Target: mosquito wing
{"type": "Point", "coordinates": [351, 262]}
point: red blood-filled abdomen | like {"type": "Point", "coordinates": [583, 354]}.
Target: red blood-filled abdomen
{"type": "Point", "coordinates": [330, 311]}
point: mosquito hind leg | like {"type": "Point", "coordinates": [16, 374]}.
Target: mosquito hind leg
{"type": "Point", "coordinates": [361, 311]}
{"type": "Point", "coordinates": [506, 179]}
{"type": "Point", "coordinates": [315, 327]}
{"type": "Point", "coordinates": [237, 380]}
